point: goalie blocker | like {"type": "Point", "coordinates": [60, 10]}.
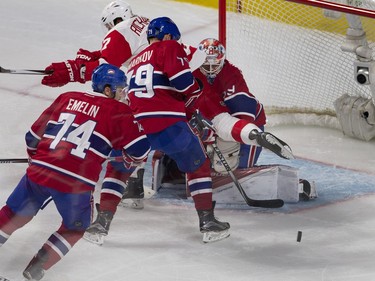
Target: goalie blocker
{"type": "Point", "coordinates": [260, 182]}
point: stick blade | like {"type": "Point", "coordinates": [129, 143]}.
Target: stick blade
{"type": "Point", "coordinates": [3, 70]}
{"type": "Point", "coordinates": [271, 204]}
{"type": "Point", "coordinates": [25, 71]}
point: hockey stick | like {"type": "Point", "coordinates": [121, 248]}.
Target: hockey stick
{"type": "Point", "coordinates": [271, 203]}
{"type": "Point", "coordinates": [26, 160]}
{"type": "Point", "coordinates": [14, 160]}
{"type": "Point", "coordinates": [24, 71]}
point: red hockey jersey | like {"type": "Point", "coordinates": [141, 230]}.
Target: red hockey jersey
{"type": "Point", "coordinates": [229, 92]}
{"type": "Point", "coordinates": [160, 81]}
{"type": "Point", "coordinates": [73, 137]}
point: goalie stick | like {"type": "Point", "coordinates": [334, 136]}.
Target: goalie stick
{"type": "Point", "coordinates": [24, 71]}
{"type": "Point", "coordinates": [271, 203]}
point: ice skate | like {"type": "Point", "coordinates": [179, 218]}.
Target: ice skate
{"type": "Point", "coordinates": [134, 193]}
{"type": "Point", "coordinates": [34, 270]}
{"type": "Point", "coordinates": [96, 232]}
{"type": "Point", "coordinates": [307, 190]}
{"type": "Point", "coordinates": [212, 229]}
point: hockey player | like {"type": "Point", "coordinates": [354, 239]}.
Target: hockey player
{"type": "Point", "coordinates": [227, 101]}
{"type": "Point", "coordinates": [67, 146]}
{"type": "Point", "coordinates": [125, 37]}
{"type": "Point", "coordinates": [160, 86]}
{"type": "Point", "coordinates": [234, 111]}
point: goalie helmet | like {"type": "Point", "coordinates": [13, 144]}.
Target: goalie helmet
{"type": "Point", "coordinates": [115, 10]}
{"type": "Point", "coordinates": [108, 75]}
{"type": "Point", "coordinates": [161, 26]}
{"type": "Point", "coordinates": [215, 58]}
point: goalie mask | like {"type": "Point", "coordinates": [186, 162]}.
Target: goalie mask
{"type": "Point", "coordinates": [214, 62]}
{"type": "Point", "coordinates": [116, 10]}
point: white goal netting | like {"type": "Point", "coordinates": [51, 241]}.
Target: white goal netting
{"type": "Point", "coordinates": [291, 56]}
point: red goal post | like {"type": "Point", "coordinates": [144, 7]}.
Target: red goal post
{"type": "Point", "coordinates": [295, 54]}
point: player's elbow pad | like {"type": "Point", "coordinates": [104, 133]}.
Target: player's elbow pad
{"type": "Point", "coordinates": [230, 128]}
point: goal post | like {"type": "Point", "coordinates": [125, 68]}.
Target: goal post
{"type": "Point", "coordinates": [299, 56]}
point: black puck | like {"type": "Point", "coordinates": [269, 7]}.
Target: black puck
{"type": "Point", "coordinates": [299, 236]}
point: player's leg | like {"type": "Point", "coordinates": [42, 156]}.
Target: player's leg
{"type": "Point", "coordinates": [21, 206]}
{"type": "Point", "coordinates": [134, 192]}
{"type": "Point", "coordinates": [75, 210]}
{"type": "Point", "coordinates": [113, 188]}
{"type": "Point", "coordinates": [186, 149]}
{"type": "Point", "coordinates": [248, 155]}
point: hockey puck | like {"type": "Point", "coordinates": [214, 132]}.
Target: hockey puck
{"type": "Point", "coordinates": [299, 236]}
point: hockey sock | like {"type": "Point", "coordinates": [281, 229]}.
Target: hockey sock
{"type": "Point", "coordinates": [59, 244]}
{"type": "Point", "coordinates": [203, 201]}
{"type": "Point", "coordinates": [109, 202]}
{"type": "Point", "coordinates": [10, 222]}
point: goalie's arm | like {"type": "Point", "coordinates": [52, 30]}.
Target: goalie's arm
{"type": "Point", "coordinates": [230, 128]}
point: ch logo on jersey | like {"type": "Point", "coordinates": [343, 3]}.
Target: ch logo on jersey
{"type": "Point", "coordinates": [230, 91]}
{"type": "Point", "coordinates": [140, 128]}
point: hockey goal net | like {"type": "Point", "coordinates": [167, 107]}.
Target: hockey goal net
{"type": "Point", "coordinates": [291, 54]}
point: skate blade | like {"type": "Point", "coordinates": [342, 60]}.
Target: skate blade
{"type": "Point", "coordinates": [211, 236]}
{"type": "Point", "coordinates": [132, 203]}
{"type": "Point", "coordinates": [97, 239]}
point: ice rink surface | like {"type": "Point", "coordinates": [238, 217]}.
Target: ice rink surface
{"type": "Point", "coordinates": [162, 242]}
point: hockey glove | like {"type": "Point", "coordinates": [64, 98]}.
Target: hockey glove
{"type": "Point", "coordinates": [271, 142]}
{"type": "Point", "coordinates": [199, 125]}
{"type": "Point", "coordinates": [131, 161]}
{"type": "Point", "coordinates": [190, 99]}
{"type": "Point", "coordinates": [63, 73]}
{"type": "Point", "coordinates": [85, 55]}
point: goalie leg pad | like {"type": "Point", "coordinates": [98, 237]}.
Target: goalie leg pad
{"type": "Point", "coordinates": [259, 182]}
{"type": "Point", "coordinates": [356, 116]}
{"type": "Point", "coordinates": [230, 151]}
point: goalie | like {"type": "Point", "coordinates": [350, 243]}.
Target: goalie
{"type": "Point", "coordinates": [239, 119]}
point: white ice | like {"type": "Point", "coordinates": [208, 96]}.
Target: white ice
{"type": "Point", "coordinates": [162, 242]}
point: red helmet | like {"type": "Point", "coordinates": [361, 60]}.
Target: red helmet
{"type": "Point", "coordinates": [215, 52]}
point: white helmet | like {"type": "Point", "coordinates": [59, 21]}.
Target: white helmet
{"type": "Point", "coordinates": [215, 58]}
{"type": "Point", "coordinates": [115, 10]}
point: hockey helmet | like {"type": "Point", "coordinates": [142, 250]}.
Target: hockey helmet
{"type": "Point", "coordinates": [161, 26]}
{"type": "Point", "coordinates": [108, 75]}
{"type": "Point", "coordinates": [115, 10]}
{"type": "Point", "coordinates": [215, 58]}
